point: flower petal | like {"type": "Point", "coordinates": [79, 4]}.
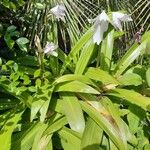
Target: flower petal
{"type": "Point", "coordinates": [49, 48]}
{"type": "Point", "coordinates": [99, 31]}
{"type": "Point", "coordinates": [100, 26]}
{"type": "Point", "coordinates": [97, 36]}
{"type": "Point", "coordinates": [59, 11]}
{"type": "Point", "coordinates": [118, 17]}
{"type": "Point", "coordinates": [103, 16]}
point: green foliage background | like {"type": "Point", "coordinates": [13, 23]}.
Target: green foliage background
{"type": "Point", "coordinates": [89, 97]}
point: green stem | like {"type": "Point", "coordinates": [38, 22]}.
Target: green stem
{"type": "Point", "coordinates": [108, 5]}
{"type": "Point", "coordinates": [41, 63]}
{"type": "Point", "coordinates": [98, 57]}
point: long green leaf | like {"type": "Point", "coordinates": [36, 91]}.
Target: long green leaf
{"type": "Point", "coordinates": [100, 75]}
{"type": "Point", "coordinates": [27, 139]}
{"type": "Point", "coordinates": [76, 49]}
{"type": "Point", "coordinates": [129, 57]}
{"type": "Point", "coordinates": [37, 144]}
{"type": "Point", "coordinates": [106, 108]}
{"type": "Point", "coordinates": [7, 130]}
{"type": "Point", "coordinates": [103, 121]}
{"type": "Point", "coordinates": [44, 108]}
{"type": "Point", "coordinates": [35, 108]}
{"type": "Point", "coordinates": [125, 133]}
{"type": "Point", "coordinates": [106, 51]}
{"type": "Point", "coordinates": [92, 136]}
{"type": "Point", "coordinates": [73, 112]}
{"type": "Point", "coordinates": [56, 125]}
{"type": "Point", "coordinates": [84, 58]}
{"type": "Point", "coordinates": [73, 77]}
{"type": "Point", "coordinates": [69, 140]}
{"type": "Point", "coordinates": [148, 77]}
{"type": "Point", "coordinates": [75, 86]}
{"type": "Point", "coordinates": [49, 145]}
{"type": "Point", "coordinates": [130, 79]}
{"type": "Point", "coordinates": [132, 97]}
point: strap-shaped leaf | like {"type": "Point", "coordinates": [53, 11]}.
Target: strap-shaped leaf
{"type": "Point", "coordinates": [125, 133]}
{"type": "Point", "coordinates": [132, 54]}
{"type": "Point", "coordinates": [108, 116]}
{"type": "Point", "coordinates": [75, 86]}
{"type": "Point", "coordinates": [132, 97]}
{"type": "Point", "coordinates": [73, 77]}
{"type": "Point", "coordinates": [42, 142]}
{"type": "Point", "coordinates": [92, 136]}
{"type": "Point", "coordinates": [69, 139]}
{"type": "Point", "coordinates": [38, 143]}
{"type": "Point", "coordinates": [73, 112]}
{"type": "Point", "coordinates": [76, 49]}
{"type": "Point", "coordinates": [41, 105]}
{"type": "Point", "coordinates": [131, 79]}
{"type": "Point", "coordinates": [27, 138]}
{"type": "Point", "coordinates": [8, 128]}
{"type": "Point", "coordinates": [84, 58]}
{"type": "Point", "coordinates": [103, 119]}
{"type": "Point", "coordinates": [148, 77]}
{"type": "Point", "coordinates": [106, 51]}
{"type": "Point", "coordinates": [101, 75]}
{"type": "Point", "coordinates": [56, 125]}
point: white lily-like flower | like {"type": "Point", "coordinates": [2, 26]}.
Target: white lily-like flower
{"type": "Point", "coordinates": [50, 49]}
{"type": "Point", "coordinates": [102, 21]}
{"type": "Point", "coordinates": [59, 12]}
{"type": "Point", "coordinates": [118, 17]}
{"type": "Point", "coordinates": [100, 26]}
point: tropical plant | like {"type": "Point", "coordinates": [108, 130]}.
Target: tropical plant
{"type": "Point", "coordinates": [86, 99]}
{"type": "Point", "coordinates": [75, 98]}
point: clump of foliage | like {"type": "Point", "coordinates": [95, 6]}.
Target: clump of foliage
{"type": "Point", "coordinates": [82, 99]}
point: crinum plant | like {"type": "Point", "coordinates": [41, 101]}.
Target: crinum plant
{"type": "Point", "coordinates": [83, 100]}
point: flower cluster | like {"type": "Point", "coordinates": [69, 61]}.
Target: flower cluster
{"type": "Point", "coordinates": [50, 48]}
{"type": "Point", "coordinates": [102, 21]}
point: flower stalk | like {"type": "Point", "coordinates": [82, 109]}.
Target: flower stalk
{"type": "Point", "coordinates": [40, 55]}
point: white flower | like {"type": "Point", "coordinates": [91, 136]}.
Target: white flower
{"type": "Point", "coordinates": [100, 26]}
{"type": "Point", "coordinates": [118, 17]}
{"type": "Point", "coordinates": [59, 12]}
{"type": "Point", "coordinates": [50, 49]}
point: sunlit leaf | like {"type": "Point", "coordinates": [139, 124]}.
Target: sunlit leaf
{"type": "Point", "coordinates": [73, 77]}
{"type": "Point", "coordinates": [129, 57]}
{"type": "Point", "coordinates": [92, 136]}
{"type": "Point", "coordinates": [8, 128]}
{"type": "Point", "coordinates": [130, 79]}
{"type": "Point", "coordinates": [107, 51]}
{"type": "Point", "coordinates": [73, 112]}
{"type": "Point", "coordinates": [26, 140]}
{"type": "Point", "coordinates": [148, 77]}
{"type": "Point", "coordinates": [75, 86]}
{"type": "Point", "coordinates": [100, 75]}
{"type": "Point", "coordinates": [40, 142]}
{"type": "Point", "coordinates": [76, 49]}
{"type": "Point", "coordinates": [84, 58]}
{"type": "Point", "coordinates": [132, 97]}
{"type": "Point", "coordinates": [104, 121]}
{"type": "Point", "coordinates": [69, 140]}
{"type": "Point", "coordinates": [56, 125]}
{"type": "Point", "coordinates": [22, 43]}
